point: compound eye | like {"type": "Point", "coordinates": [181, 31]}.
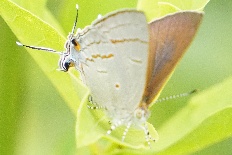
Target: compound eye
{"type": "Point", "coordinates": [66, 65]}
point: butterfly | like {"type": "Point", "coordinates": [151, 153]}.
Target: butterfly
{"type": "Point", "coordinates": [125, 61]}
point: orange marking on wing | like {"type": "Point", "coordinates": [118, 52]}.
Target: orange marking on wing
{"type": "Point", "coordinates": [128, 40]}
{"type": "Point", "coordinates": [77, 46]}
{"type": "Point", "coordinates": [96, 56]}
{"type": "Point", "coordinates": [89, 59]}
{"type": "Point", "coordinates": [102, 56]}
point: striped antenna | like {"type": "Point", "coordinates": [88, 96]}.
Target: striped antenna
{"type": "Point", "coordinates": [75, 23]}
{"type": "Point", "coordinates": [176, 96]}
{"type": "Point", "coordinates": [39, 48]}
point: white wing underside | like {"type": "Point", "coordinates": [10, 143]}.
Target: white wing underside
{"type": "Point", "coordinates": [115, 50]}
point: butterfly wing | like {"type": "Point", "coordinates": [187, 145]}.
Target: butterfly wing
{"type": "Point", "coordinates": [115, 48]}
{"type": "Point", "coordinates": [169, 38]}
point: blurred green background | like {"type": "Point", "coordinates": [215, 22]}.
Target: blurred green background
{"type": "Point", "coordinates": [34, 116]}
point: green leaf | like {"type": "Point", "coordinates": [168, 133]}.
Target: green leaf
{"type": "Point", "coordinates": [32, 31]}
{"type": "Point", "coordinates": [158, 8]}
{"type": "Point", "coordinates": [40, 10]}
{"type": "Point", "coordinates": [204, 116]}
{"type": "Point", "coordinates": [34, 118]}
{"type": "Point", "coordinates": [203, 123]}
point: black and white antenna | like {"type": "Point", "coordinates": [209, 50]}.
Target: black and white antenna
{"type": "Point", "coordinates": [75, 23]}
{"type": "Point", "coordinates": [38, 48]}
{"type": "Point", "coordinates": [176, 96]}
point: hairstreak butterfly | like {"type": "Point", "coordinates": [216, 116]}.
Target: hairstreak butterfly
{"type": "Point", "coordinates": [125, 61]}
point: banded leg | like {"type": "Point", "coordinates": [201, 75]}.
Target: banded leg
{"type": "Point", "coordinates": [94, 105]}
{"type": "Point", "coordinates": [147, 135]}
{"type": "Point", "coordinates": [113, 127]}
{"type": "Point", "coordinates": [125, 131]}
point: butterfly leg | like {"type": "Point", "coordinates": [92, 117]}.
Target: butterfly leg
{"type": "Point", "coordinates": [113, 127]}
{"type": "Point", "coordinates": [94, 104]}
{"type": "Point", "coordinates": [125, 131]}
{"type": "Point", "coordinates": [147, 135]}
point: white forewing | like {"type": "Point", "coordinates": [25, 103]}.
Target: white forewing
{"type": "Point", "coordinates": [115, 49]}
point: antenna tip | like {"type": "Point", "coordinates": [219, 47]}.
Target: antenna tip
{"type": "Point", "coordinates": [99, 16]}
{"type": "Point", "coordinates": [19, 44]}
{"type": "Point", "coordinates": [77, 6]}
